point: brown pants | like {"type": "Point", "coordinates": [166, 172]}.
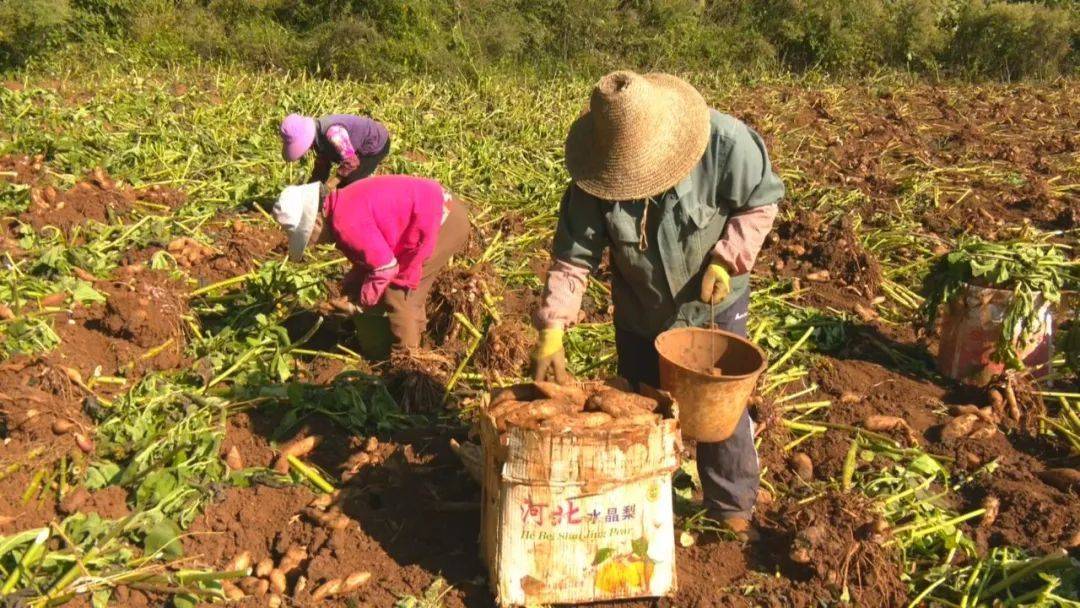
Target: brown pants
{"type": "Point", "coordinates": [406, 308]}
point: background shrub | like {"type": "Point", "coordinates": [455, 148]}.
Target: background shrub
{"type": "Point", "coordinates": [28, 27]}
{"type": "Point", "coordinates": [391, 38]}
{"type": "Point", "coordinates": [1014, 40]}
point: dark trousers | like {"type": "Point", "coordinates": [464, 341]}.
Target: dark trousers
{"type": "Point", "coordinates": [729, 469]}
{"type": "Point", "coordinates": [367, 166]}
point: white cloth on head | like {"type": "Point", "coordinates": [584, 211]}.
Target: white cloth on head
{"type": "Point", "coordinates": [296, 210]}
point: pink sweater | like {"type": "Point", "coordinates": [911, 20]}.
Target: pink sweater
{"type": "Point", "coordinates": [385, 220]}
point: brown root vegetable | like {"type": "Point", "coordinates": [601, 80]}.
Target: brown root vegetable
{"type": "Point", "coordinates": [993, 506]}
{"type": "Point", "coordinates": [1063, 479]}
{"type": "Point", "coordinates": [505, 408]}
{"type": "Point", "coordinates": [263, 568]}
{"type": "Point", "coordinates": [538, 411]}
{"type": "Point", "coordinates": [865, 313]}
{"type": "Point", "coordinates": [240, 562]}
{"type": "Point", "coordinates": [959, 427]}
{"type": "Point", "coordinates": [985, 413]}
{"type": "Point", "coordinates": [801, 464]}
{"type": "Point", "coordinates": [62, 426]}
{"type": "Point", "coordinates": [562, 392]}
{"type": "Point", "coordinates": [274, 601]}
{"type": "Point", "coordinates": [1073, 541]}
{"type": "Point", "coordinates": [231, 591]}
{"type": "Point", "coordinates": [619, 403]}
{"type": "Point", "coordinates": [254, 586]}
{"type": "Point", "coordinates": [85, 443]}
{"type": "Point", "coordinates": [849, 397]}
{"type": "Point", "coordinates": [891, 423]}
{"type": "Point", "coordinates": [82, 274]}
{"type": "Point", "coordinates": [354, 581]}
{"type": "Point", "coordinates": [298, 448]}
{"type": "Point", "coordinates": [327, 589]}
{"type": "Point", "coordinates": [292, 558]}
{"type": "Point", "coordinates": [322, 501]}
{"type": "Point", "coordinates": [55, 299]}
{"type": "Point", "coordinates": [371, 444]}
{"type": "Point", "coordinates": [6, 313]}
{"type": "Point", "coordinates": [277, 582]}
{"type": "Point", "coordinates": [233, 459]}
{"type": "Point", "coordinates": [518, 392]}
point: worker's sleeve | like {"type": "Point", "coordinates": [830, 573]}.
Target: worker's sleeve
{"type": "Point", "coordinates": [580, 241]}
{"type": "Point", "coordinates": [563, 291]}
{"type": "Point", "coordinates": [339, 138]}
{"type": "Point", "coordinates": [743, 237]}
{"type": "Point", "coordinates": [320, 170]}
{"type": "Point", "coordinates": [749, 185]}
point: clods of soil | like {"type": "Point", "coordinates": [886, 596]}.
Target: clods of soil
{"type": "Point", "coordinates": [139, 327]}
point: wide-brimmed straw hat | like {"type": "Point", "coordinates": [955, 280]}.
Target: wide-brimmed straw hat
{"type": "Point", "coordinates": [641, 135]}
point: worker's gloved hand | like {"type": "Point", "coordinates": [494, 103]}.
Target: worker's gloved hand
{"type": "Point", "coordinates": [716, 284]}
{"type": "Point", "coordinates": [550, 356]}
{"type": "Point", "coordinates": [347, 166]}
{"type": "Point", "coordinates": [375, 284]}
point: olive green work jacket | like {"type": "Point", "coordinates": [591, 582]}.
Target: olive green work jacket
{"type": "Point", "coordinates": [657, 279]}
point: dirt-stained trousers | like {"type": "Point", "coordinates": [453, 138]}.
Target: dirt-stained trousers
{"type": "Point", "coordinates": [405, 308]}
{"type": "Point", "coordinates": [729, 469]}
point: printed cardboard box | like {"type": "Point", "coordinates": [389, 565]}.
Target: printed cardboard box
{"type": "Point", "coordinates": [572, 519]}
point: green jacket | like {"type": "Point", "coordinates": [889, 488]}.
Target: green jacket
{"type": "Point", "coordinates": [657, 283]}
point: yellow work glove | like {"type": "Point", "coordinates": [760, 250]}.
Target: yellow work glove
{"type": "Point", "coordinates": [716, 284]}
{"type": "Point", "coordinates": [549, 356]}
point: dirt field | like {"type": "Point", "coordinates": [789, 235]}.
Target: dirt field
{"type": "Point", "coordinates": [924, 161]}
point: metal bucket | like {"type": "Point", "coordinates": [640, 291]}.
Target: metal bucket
{"type": "Point", "coordinates": [710, 401]}
{"type": "Point", "coordinates": [970, 328]}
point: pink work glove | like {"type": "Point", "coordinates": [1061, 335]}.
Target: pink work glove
{"type": "Point", "coordinates": [375, 285]}
{"type": "Point", "coordinates": [347, 166]}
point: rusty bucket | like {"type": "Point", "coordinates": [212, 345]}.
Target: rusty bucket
{"type": "Point", "coordinates": [711, 374]}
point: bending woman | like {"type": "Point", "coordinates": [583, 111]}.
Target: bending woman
{"type": "Point", "coordinates": [398, 231]}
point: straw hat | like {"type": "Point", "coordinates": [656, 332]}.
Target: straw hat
{"type": "Point", "coordinates": [641, 135]}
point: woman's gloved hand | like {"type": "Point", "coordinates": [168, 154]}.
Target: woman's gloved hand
{"type": "Point", "coordinates": [716, 284]}
{"type": "Point", "coordinates": [374, 286]}
{"type": "Point", "coordinates": [550, 356]}
{"type": "Point", "coordinates": [347, 166]}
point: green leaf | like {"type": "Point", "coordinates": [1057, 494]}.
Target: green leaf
{"type": "Point", "coordinates": [926, 465]}
{"type": "Point", "coordinates": [100, 598]}
{"type": "Point", "coordinates": [155, 488]}
{"type": "Point", "coordinates": [164, 539]}
{"type": "Point", "coordinates": [602, 555]}
{"type": "Point", "coordinates": [101, 474]}
{"type": "Point", "coordinates": [185, 600]}
{"type": "Point", "coordinates": [84, 293]}
{"type": "Point", "coordinates": [640, 547]}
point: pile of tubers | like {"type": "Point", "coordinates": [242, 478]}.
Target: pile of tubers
{"type": "Point", "coordinates": [557, 408]}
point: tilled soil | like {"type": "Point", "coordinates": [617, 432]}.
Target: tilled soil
{"type": "Point", "coordinates": [138, 328]}
{"type": "Point", "coordinates": [408, 513]}
{"type": "Point", "coordinates": [98, 198]}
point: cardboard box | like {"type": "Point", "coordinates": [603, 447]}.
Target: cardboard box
{"type": "Point", "coordinates": [579, 518]}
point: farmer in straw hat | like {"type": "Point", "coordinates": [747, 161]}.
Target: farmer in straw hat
{"type": "Point", "coordinates": [398, 231]}
{"type": "Point", "coordinates": [683, 196]}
